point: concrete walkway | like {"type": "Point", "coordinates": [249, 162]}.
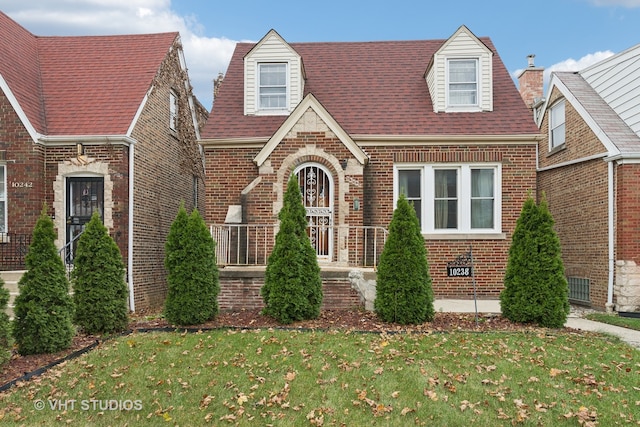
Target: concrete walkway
{"type": "Point", "coordinates": [575, 319]}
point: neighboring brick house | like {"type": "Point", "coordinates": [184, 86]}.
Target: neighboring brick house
{"type": "Point", "coordinates": [104, 123]}
{"type": "Point", "coordinates": [589, 170]}
{"type": "Point", "coordinates": [359, 123]}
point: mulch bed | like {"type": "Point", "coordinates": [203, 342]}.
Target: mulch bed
{"type": "Point", "coordinates": [356, 320]}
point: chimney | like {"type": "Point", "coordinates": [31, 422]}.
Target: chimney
{"type": "Point", "coordinates": [530, 82]}
{"type": "Point", "coordinates": [216, 85]}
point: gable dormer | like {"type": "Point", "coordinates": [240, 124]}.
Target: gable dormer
{"type": "Point", "coordinates": [273, 77]}
{"type": "Point", "coordinates": [460, 76]}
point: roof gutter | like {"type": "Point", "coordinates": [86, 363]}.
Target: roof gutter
{"type": "Point", "coordinates": [132, 304]}
{"type": "Point", "coordinates": [610, 231]}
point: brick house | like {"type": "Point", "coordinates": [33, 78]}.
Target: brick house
{"type": "Point", "coordinates": [359, 123]}
{"type": "Point", "coordinates": [105, 124]}
{"type": "Point", "coordinates": [589, 169]}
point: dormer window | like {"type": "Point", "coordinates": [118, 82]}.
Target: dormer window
{"type": "Point", "coordinates": [462, 82]}
{"type": "Point", "coordinates": [272, 86]}
{"type": "Point", "coordinates": [460, 76]}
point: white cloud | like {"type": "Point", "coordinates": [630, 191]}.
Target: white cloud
{"type": "Point", "coordinates": [576, 65]}
{"type": "Point", "coordinates": [205, 56]}
{"type": "Point", "coordinates": [624, 3]}
{"type": "Point", "coordinates": [572, 64]}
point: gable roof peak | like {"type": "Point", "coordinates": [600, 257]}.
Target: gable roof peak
{"type": "Point", "coordinates": [270, 35]}
{"type": "Point", "coordinates": [463, 29]}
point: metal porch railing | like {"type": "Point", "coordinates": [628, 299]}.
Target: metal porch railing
{"type": "Point", "coordinates": [13, 248]}
{"type": "Point", "coordinates": [251, 244]}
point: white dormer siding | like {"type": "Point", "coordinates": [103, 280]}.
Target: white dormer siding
{"type": "Point", "coordinates": [272, 49]}
{"type": "Point", "coordinates": [463, 48]}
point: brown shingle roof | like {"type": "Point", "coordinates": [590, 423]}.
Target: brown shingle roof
{"type": "Point", "coordinates": [80, 85]}
{"type": "Point", "coordinates": [372, 88]}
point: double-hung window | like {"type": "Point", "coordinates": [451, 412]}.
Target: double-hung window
{"type": "Point", "coordinates": [556, 125]}
{"type": "Point", "coordinates": [3, 199]}
{"type": "Point", "coordinates": [173, 111]}
{"type": "Point", "coordinates": [450, 199]}
{"type": "Point", "coordinates": [462, 82]}
{"type": "Point", "coordinates": [272, 86]}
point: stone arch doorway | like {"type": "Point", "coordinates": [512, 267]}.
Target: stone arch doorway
{"type": "Point", "coordinates": [316, 187]}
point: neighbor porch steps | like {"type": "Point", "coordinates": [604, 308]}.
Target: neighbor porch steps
{"type": "Point", "coordinates": [11, 279]}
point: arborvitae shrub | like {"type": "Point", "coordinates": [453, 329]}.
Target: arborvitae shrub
{"type": "Point", "coordinates": [98, 278]}
{"type": "Point", "coordinates": [43, 310]}
{"type": "Point", "coordinates": [190, 259]}
{"type": "Point", "coordinates": [403, 291]}
{"type": "Point", "coordinates": [5, 326]}
{"type": "Point", "coordinates": [293, 286]}
{"type": "Point", "coordinates": [535, 287]}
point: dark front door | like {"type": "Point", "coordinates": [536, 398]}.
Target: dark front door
{"type": "Point", "coordinates": [85, 195]}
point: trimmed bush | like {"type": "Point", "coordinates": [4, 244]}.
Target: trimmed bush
{"type": "Point", "coordinates": [5, 326]}
{"type": "Point", "coordinates": [292, 287]}
{"type": "Point", "coordinates": [190, 259]}
{"type": "Point", "coordinates": [403, 291]}
{"type": "Point", "coordinates": [43, 310]}
{"type": "Point", "coordinates": [98, 278]}
{"type": "Point", "coordinates": [535, 287]}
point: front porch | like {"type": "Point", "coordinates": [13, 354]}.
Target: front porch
{"type": "Point", "coordinates": [335, 245]}
{"type": "Point", "coordinates": [348, 257]}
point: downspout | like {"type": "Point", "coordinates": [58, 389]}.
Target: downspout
{"type": "Point", "coordinates": [132, 305]}
{"type": "Point", "coordinates": [611, 200]}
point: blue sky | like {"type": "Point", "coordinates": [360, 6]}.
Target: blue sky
{"type": "Point", "coordinates": [563, 34]}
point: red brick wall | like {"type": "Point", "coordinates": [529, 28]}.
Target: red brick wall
{"type": "Point", "coordinates": [376, 196]}
{"type": "Point", "coordinates": [241, 290]}
{"type": "Point", "coordinates": [628, 211]}
{"type": "Point", "coordinates": [577, 198]}
{"type": "Point", "coordinates": [490, 256]}
{"type": "Point", "coordinates": [25, 170]}
{"type": "Point", "coordinates": [117, 158]}
{"type": "Point", "coordinates": [163, 178]}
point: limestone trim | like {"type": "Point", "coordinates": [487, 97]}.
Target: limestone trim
{"type": "Point", "coordinates": [79, 167]}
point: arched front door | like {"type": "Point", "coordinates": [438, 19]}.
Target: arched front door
{"type": "Point", "coordinates": [316, 187]}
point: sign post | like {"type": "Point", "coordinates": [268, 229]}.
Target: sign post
{"type": "Point", "coordinates": [462, 266]}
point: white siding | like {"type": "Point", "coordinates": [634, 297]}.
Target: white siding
{"type": "Point", "coordinates": [462, 45]}
{"type": "Point", "coordinates": [272, 48]}
{"type": "Point", "coordinates": [617, 81]}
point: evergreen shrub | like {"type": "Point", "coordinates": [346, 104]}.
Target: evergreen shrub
{"type": "Point", "coordinates": [404, 292]}
{"type": "Point", "coordinates": [98, 278]}
{"type": "Point", "coordinates": [43, 309]}
{"type": "Point", "coordinates": [193, 281]}
{"type": "Point", "coordinates": [5, 326]}
{"type": "Point", "coordinates": [293, 286]}
{"type": "Point", "coordinates": [535, 287]}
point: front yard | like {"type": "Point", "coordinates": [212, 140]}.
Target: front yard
{"type": "Point", "coordinates": [340, 376]}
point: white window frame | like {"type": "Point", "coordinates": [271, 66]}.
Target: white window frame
{"type": "Point", "coordinates": [464, 198]}
{"type": "Point", "coordinates": [465, 106]}
{"type": "Point", "coordinates": [3, 198]}
{"type": "Point", "coordinates": [259, 87]}
{"type": "Point", "coordinates": [173, 110]}
{"type": "Point", "coordinates": [557, 127]}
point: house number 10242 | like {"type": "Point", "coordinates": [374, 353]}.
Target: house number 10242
{"type": "Point", "coordinates": [21, 184]}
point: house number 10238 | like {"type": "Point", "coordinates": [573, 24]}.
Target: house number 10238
{"type": "Point", "coordinates": [459, 271]}
{"type": "Point", "coordinates": [22, 184]}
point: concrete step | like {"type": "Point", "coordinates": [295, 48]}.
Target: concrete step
{"type": "Point", "coordinates": [11, 276]}
{"type": "Point", "coordinates": [11, 279]}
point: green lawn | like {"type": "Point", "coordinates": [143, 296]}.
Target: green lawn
{"type": "Point", "coordinates": [294, 378]}
{"type": "Point", "coordinates": [614, 319]}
